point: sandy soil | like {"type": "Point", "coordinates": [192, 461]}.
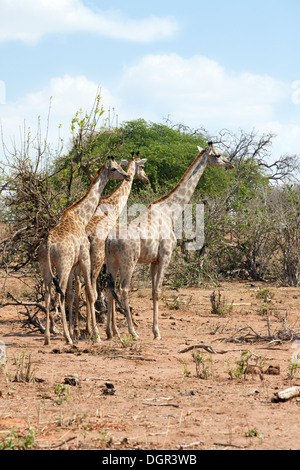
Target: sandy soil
{"type": "Point", "coordinates": [147, 395]}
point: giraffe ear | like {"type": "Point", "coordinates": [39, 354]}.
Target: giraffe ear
{"type": "Point", "coordinates": [142, 162]}
{"type": "Point", "coordinates": [124, 162]}
{"type": "Point", "coordinates": [200, 148]}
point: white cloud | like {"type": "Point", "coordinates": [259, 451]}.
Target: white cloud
{"type": "Point", "coordinates": [287, 137]}
{"type": "Point", "coordinates": [199, 92]}
{"type": "Point", "coordinates": [30, 20]}
{"type": "Point", "coordinates": [67, 96]}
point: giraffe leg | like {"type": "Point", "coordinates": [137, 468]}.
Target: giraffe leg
{"type": "Point", "coordinates": [94, 275]}
{"type": "Point", "coordinates": [125, 281]}
{"type": "Point", "coordinates": [88, 327]}
{"type": "Point", "coordinates": [85, 267]}
{"type": "Point", "coordinates": [64, 320]}
{"type": "Point", "coordinates": [70, 301]}
{"type": "Point", "coordinates": [111, 329]}
{"type": "Point", "coordinates": [63, 278]}
{"type": "Point", "coordinates": [110, 315]}
{"type": "Point", "coordinates": [47, 281]}
{"type": "Point", "coordinates": [155, 298]}
{"type": "Point", "coordinates": [53, 328]}
{"type": "Point", "coordinates": [46, 275]}
{"type": "Point", "coordinates": [96, 259]}
{"type": "Point", "coordinates": [47, 301]}
{"type": "Point", "coordinates": [77, 290]}
{"type": "Point", "coordinates": [157, 272]}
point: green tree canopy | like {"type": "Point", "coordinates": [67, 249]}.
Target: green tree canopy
{"type": "Point", "coordinates": [169, 153]}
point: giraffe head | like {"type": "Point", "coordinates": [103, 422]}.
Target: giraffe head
{"type": "Point", "coordinates": [215, 157]}
{"type": "Point", "coordinates": [139, 167]}
{"type": "Point", "coordinates": [114, 170]}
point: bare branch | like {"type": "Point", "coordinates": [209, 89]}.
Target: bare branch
{"type": "Point", "coordinates": [247, 145]}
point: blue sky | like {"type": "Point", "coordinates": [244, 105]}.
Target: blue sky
{"type": "Point", "coordinates": [213, 64]}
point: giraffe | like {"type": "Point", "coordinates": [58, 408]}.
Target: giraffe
{"type": "Point", "coordinates": [102, 222]}
{"type": "Point", "coordinates": [67, 246]}
{"type": "Point", "coordinates": [151, 240]}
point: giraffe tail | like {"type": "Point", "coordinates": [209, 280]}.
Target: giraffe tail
{"type": "Point", "coordinates": [58, 289]}
{"type": "Point", "coordinates": [111, 285]}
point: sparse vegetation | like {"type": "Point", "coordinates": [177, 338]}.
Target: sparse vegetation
{"type": "Point", "coordinates": [244, 367]}
{"type": "Point", "coordinates": [186, 370]}
{"type": "Point", "coordinates": [62, 392]}
{"type": "Point", "coordinates": [254, 433]}
{"type": "Point", "coordinates": [25, 372]}
{"type": "Point", "coordinates": [294, 366]}
{"type": "Point", "coordinates": [219, 304]}
{"type": "Point", "coordinates": [16, 440]}
{"type": "Point", "coordinates": [175, 302]}
{"type": "Point", "coordinates": [265, 294]}
{"type": "Point", "coordinates": [203, 365]}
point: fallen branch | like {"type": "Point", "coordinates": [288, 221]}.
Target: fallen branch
{"type": "Point", "coordinates": [54, 446]}
{"type": "Point", "coordinates": [286, 394]}
{"type": "Point", "coordinates": [31, 319]}
{"type": "Point", "coordinates": [203, 346]}
{"type": "Point", "coordinates": [20, 302]}
{"type": "Point", "coordinates": [192, 444]}
{"type": "Point", "coordinates": [248, 337]}
{"type": "Point", "coordinates": [132, 358]}
{"type": "Point", "coordinates": [280, 336]}
{"type": "Point", "coordinates": [207, 348]}
{"type": "Point", "coordinates": [162, 404]}
{"type": "Point", "coordinates": [227, 445]}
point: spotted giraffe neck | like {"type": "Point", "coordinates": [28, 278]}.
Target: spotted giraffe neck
{"type": "Point", "coordinates": [118, 199]}
{"type": "Point", "coordinates": [184, 190]}
{"type": "Point", "coordinates": [85, 208]}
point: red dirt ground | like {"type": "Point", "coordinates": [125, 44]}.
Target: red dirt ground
{"type": "Point", "coordinates": [157, 400]}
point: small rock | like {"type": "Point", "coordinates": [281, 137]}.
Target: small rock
{"type": "Point", "coordinates": [188, 393]}
{"type": "Point", "coordinates": [273, 370]}
{"type": "Point", "coordinates": [72, 380]}
{"type": "Point", "coordinates": [109, 389]}
{"type": "Point", "coordinates": [56, 351]}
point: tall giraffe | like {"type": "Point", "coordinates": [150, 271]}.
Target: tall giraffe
{"type": "Point", "coordinates": [102, 222]}
{"type": "Point", "coordinates": [67, 245]}
{"type": "Point", "coordinates": [151, 239]}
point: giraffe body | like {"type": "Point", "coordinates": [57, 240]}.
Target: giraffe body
{"type": "Point", "coordinates": [102, 222]}
{"type": "Point", "coordinates": [67, 246]}
{"type": "Point", "coordinates": [150, 239]}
